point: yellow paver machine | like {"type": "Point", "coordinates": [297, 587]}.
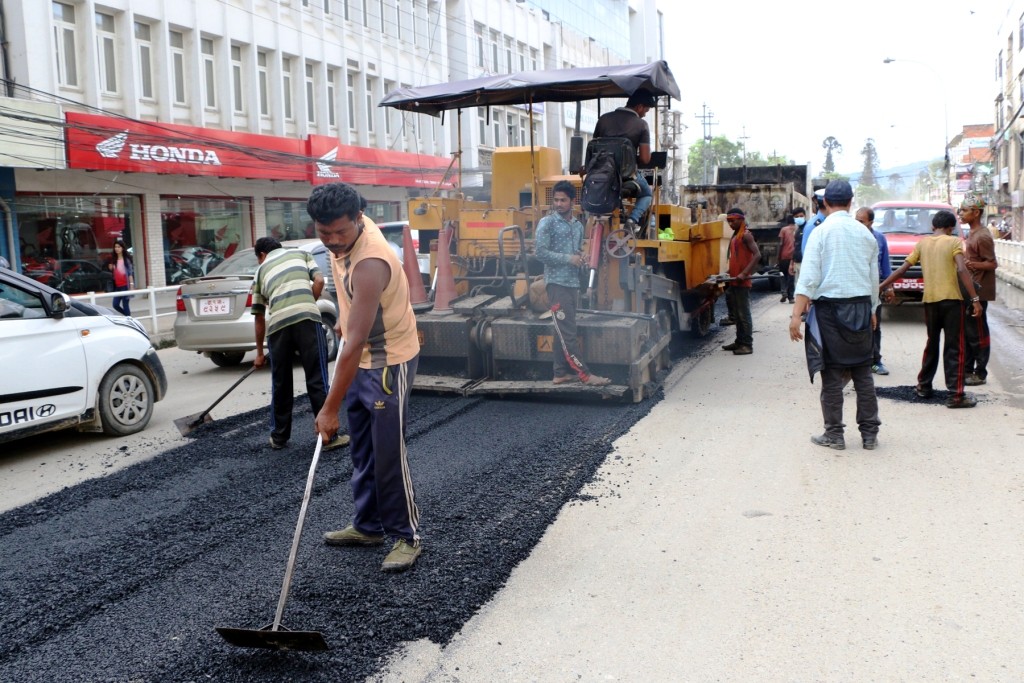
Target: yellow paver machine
{"type": "Point", "coordinates": [639, 286]}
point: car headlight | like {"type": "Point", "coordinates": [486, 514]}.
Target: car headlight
{"type": "Point", "coordinates": [130, 322]}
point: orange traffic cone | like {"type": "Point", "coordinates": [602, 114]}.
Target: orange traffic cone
{"type": "Point", "coordinates": [444, 290]}
{"type": "Point", "coordinates": [411, 266]}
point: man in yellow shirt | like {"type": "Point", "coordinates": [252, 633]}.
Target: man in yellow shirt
{"type": "Point", "coordinates": [942, 259]}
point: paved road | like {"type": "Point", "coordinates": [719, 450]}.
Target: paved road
{"type": "Point", "coordinates": [720, 544]}
{"type": "Point", "coordinates": [699, 538]}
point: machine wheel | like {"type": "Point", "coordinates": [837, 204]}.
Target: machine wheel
{"type": "Point", "coordinates": [331, 336]}
{"type": "Point", "coordinates": [126, 400]}
{"type": "Point", "coordinates": [620, 243]}
{"type": "Point", "coordinates": [702, 320]}
{"type": "Point", "coordinates": [226, 359]}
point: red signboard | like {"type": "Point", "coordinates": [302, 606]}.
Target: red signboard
{"type": "Point", "coordinates": [334, 162]}
{"type": "Point", "coordinates": [106, 143]}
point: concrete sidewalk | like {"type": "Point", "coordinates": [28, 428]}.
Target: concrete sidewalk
{"type": "Point", "coordinates": [722, 545]}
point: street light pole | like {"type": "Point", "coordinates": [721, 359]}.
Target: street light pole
{"type": "Point", "coordinates": [945, 118]}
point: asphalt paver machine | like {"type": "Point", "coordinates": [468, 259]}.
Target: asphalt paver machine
{"type": "Point", "coordinates": [637, 290]}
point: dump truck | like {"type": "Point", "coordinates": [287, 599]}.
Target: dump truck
{"type": "Point", "coordinates": [637, 292]}
{"type": "Point", "coordinates": [764, 193]}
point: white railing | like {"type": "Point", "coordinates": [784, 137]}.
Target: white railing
{"type": "Point", "coordinates": [156, 312]}
{"type": "Point", "coordinates": [1010, 256]}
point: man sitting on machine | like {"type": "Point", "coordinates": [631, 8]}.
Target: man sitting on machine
{"type": "Point", "coordinates": [628, 122]}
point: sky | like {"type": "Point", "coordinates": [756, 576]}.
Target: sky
{"type": "Point", "coordinates": [754, 63]}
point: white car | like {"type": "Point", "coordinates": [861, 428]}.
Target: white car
{"type": "Point", "coordinates": [393, 232]}
{"type": "Point", "coordinates": [68, 364]}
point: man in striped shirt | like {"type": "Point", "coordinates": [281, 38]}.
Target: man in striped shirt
{"type": "Point", "coordinates": [287, 285]}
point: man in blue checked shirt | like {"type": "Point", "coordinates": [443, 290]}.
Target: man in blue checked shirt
{"type": "Point", "coordinates": [839, 274]}
{"type": "Point", "coordinates": [559, 246]}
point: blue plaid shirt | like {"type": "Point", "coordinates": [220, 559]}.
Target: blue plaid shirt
{"type": "Point", "coordinates": [556, 241]}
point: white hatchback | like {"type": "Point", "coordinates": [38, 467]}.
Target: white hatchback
{"type": "Point", "coordinates": [68, 364]}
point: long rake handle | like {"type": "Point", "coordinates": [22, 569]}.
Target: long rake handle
{"type": "Point", "coordinates": [298, 534]}
{"type": "Point", "coordinates": [224, 395]}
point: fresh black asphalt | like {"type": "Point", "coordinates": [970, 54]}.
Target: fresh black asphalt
{"type": "Point", "coordinates": [124, 578]}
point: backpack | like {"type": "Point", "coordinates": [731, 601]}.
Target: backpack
{"type": "Point", "coordinates": [798, 240]}
{"type": "Point", "coordinates": [602, 184]}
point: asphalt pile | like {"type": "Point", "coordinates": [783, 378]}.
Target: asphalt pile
{"type": "Point", "coordinates": [124, 578]}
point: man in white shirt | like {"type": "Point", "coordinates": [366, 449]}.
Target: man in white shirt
{"type": "Point", "coordinates": [839, 274]}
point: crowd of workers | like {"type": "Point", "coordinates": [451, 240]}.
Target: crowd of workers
{"type": "Point", "coordinates": [836, 275]}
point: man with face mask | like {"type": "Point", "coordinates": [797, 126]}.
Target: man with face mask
{"type": "Point", "coordinates": [800, 220]}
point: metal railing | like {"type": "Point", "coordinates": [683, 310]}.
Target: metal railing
{"type": "Point", "coordinates": [156, 312]}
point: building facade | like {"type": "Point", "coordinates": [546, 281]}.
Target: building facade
{"type": "Point", "coordinates": [191, 129]}
{"type": "Point", "coordinates": [1008, 141]}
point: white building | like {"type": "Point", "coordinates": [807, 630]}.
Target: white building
{"type": "Point", "coordinates": [206, 124]}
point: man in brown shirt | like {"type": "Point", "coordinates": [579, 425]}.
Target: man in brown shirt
{"type": "Point", "coordinates": [980, 257]}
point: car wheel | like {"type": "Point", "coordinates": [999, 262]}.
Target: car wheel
{"type": "Point", "coordinates": [226, 359]}
{"type": "Point", "coordinates": [331, 336]}
{"type": "Point", "coordinates": [126, 400]}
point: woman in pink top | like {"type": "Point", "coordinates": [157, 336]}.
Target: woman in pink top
{"type": "Point", "coordinates": [124, 276]}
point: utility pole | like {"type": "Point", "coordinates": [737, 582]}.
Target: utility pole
{"type": "Point", "coordinates": [706, 123]}
{"type": "Point", "coordinates": [744, 139]}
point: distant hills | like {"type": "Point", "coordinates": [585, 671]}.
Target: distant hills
{"type": "Point", "coordinates": [908, 172]}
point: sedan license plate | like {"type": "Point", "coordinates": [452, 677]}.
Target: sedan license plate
{"type": "Point", "coordinates": [217, 305]}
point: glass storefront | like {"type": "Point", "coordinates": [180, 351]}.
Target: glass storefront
{"type": "Point", "coordinates": [199, 233]}
{"type": "Point", "coordinates": [287, 219]}
{"type": "Point", "coordinates": [67, 241]}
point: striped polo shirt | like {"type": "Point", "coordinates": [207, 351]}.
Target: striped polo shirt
{"type": "Point", "coordinates": [282, 285]}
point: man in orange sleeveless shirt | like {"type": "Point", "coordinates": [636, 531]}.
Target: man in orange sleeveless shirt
{"type": "Point", "coordinates": [374, 374]}
{"type": "Point", "coordinates": [743, 259]}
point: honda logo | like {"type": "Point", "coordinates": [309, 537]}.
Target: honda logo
{"type": "Point", "coordinates": [112, 147]}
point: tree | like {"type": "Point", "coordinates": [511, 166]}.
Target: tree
{"type": "Point", "coordinates": [869, 176]}
{"type": "Point", "coordinates": [895, 184]}
{"type": "Point", "coordinates": [720, 151]}
{"type": "Point", "coordinates": [830, 144]}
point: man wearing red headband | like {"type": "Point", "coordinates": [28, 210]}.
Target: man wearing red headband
{"type": "Point", "coordinates": [743, 259]}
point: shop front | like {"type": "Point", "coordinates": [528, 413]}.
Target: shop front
{"type": "Point", "coordinates": [184, 198]}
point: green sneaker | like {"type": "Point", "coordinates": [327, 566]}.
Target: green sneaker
{"type": "Point", "coordinates": [338, 441]}
{"type": "Point", "coordinates": [352, 536]}
{"type": "Point", "coordinates": [402, 556]}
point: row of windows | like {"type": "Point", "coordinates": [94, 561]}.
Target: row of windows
{"type": "Point", "coordinates": [109, 73]}
{"type": "Point", "coordinates": [500, 53]}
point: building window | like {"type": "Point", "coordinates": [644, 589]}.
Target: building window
{"type": "Point", "coordinates": [388, 87]}
{"type": "Point", "coordinates": [209, 73]}
{"type": "Point", "coordinates": [509, 63]}
{"type": "Point", "coordinates": [286, 82]}
{"type": "Point", "coordinates": [332, 117]}
{"type": "Point", "coordinates": [177, 42]}
{"type": "Point", "coordinates": [1020, 37]}
{"type": "Point", "coordinates": [371, 85]}
{"type": "Point", "coordinates": [144, 43]}
{"type": "Point", "coordinates": [64, 42]}
{"type": "Point", "coordinates": [494, 52]}
{"type": "Point", "coordinates": [481, 117]}
{"type": "Point", "coordinates": [236, 79]}
{"type": "Point", "coordinates": [287, 220]}
{"type": "Point", "coordinates": [106, 59]}
{"type": "Point", "coordinates": [220, 225]}
{"type": "Point", "coordinates": [480, 49]}
{"type": "Point", "coordinates": [264, 81]}
{"type": "Point", "coordinates": [327, 6]}
{"type": "Point", "coordinates": [350, 90]}
{"type": "Point", "coordinates": [366, 14]}
{"type": "Point", "coordinates": [310, 99]}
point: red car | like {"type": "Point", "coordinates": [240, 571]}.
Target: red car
{"type": "Point", "coordinates": [904, 223]}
